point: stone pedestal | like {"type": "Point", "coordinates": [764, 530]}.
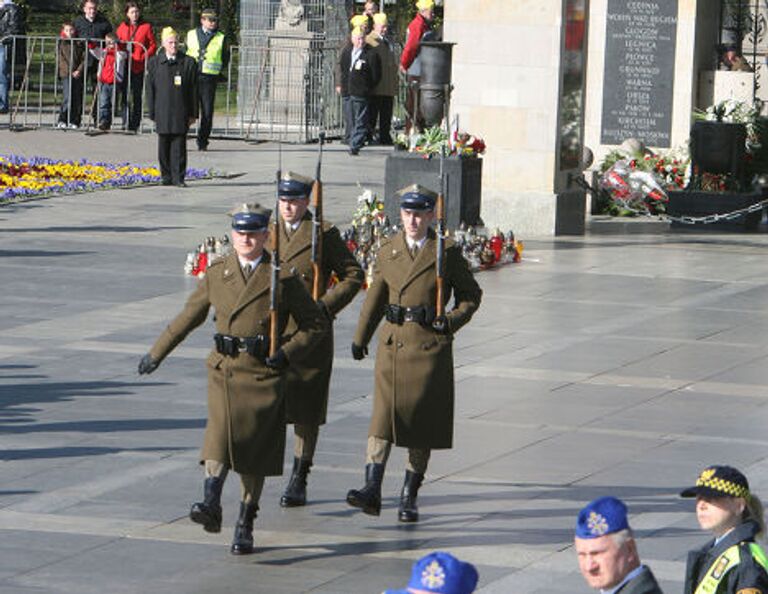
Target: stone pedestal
{"type": "Point", "coordinates": [462, 184]}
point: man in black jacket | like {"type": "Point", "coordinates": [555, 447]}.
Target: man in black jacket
{"type": "Point", "coordinates": [93, 26]}
{"type": "Point", "coordinates": [172, 104]}
{"type": "Point", "coordinates": [361, 70]}
{"type": "Point", "coordinates": [11, 23]}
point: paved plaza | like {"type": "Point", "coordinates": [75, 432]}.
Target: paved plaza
{"type": "Point", "coordinates": [604, 364]}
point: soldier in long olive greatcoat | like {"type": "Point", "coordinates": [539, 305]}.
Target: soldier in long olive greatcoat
{"type": "Point", "coordinates": [245, 431]}
{"type": "Point", "coordinates": [306, 383]}
{"type": "Point", "coordinates": [414, 391]}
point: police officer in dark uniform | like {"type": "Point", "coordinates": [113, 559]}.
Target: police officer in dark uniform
{"type": "Point", "coordinates": [414, 391]}
{"type": "Point", "coordinates": [172, 105]}
{"type": "Point", "coordinates": [732, 563]}
{"type": "Point", "coordinates": [245, 431]}
{"type": "Point", "coordinates": [306, 387]}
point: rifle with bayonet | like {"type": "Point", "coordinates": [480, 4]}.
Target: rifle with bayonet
{"type": "Point", "coordinates": [274, 305]}
{"type": "Point", "coordinates": [440, 245]}
{"type": "Point", "coordinates": [317, 226]}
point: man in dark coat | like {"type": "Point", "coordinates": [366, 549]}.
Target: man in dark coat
{"type": "Point", "coordinates": [607, 551]}
{"type": "Point", "coordinates": [245, 431]}
{"type": "Point", "coordinates": [11, 23]}
{"type": "Point", "coordinates": [361, 67]}
{"type": "Point", "coordinates": [93, 26]}
{"type": "Point", "coordinates": [414, 391]}
{"type": "Point", "coordinates": [306, 388]}
{"type": "Point", "coordinates": [172, 105]}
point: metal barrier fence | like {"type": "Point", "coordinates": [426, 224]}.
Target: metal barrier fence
{"type": "Point", "coordinates": [274, 88]}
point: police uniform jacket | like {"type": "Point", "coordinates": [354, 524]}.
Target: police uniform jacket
{"type": "Point", "coordinates": [307, 383]}
{"type": "Point", "coordinates": [246, 416]}
{"type": "Point", "coordinates": [643, 583]}
{"type": "Point", "coordinates": [388, 82]}
{"type": "Point", "coordinates": [172, 92]}
{"type": "Point", "coordinates": [414, 391]}
{"type": "Point", "coordinates": [747, 577]}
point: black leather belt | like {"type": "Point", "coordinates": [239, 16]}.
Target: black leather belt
{"type": "Point", "coordinates": [231, 346]}
{"type": "Point", "coordinates": [396, 314]}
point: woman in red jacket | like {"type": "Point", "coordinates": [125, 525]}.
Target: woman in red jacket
{"type": "Point", "coordinates": [138, 39]}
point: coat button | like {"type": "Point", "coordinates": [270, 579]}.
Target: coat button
{"type": "Point", "coordinates": [399, 345]}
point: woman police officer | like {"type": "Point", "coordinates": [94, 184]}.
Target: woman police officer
{"type": "Point", "coordinates": [732, 563]}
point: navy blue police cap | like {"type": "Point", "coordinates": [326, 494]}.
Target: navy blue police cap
{"type": "Point", "coordinates": [602, 516]}
{"type": "Point", "coordinates": [441, 573]}
{"type": "Point", "coordinates": [719, 481]}
{"type": "Point", "coordinates": [248, 218]}
{"type": "Point", "coordinates": [292, 186]}
{"type": "Point", "coordinates": [416, 197]}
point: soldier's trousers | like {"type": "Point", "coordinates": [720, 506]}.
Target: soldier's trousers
{"type": "Point", "coordinates": [305, 441]}
{"type": "Point", "coordinates": [251, 485]}
{"type": "Point", "coordinates": [377, 452]}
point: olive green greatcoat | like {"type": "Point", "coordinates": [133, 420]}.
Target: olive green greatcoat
{"type": "Point", "coordinates": [246, 417]}
{"type": "Point", "coordinates": [414, 391]}
{"type": "Point", "coordinates": [306, 384]}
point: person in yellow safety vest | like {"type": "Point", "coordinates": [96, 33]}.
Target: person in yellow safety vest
{"type": "Point", "coordinates": [732, 563]}
{"type": "Point", "coordinates": [209, 47]}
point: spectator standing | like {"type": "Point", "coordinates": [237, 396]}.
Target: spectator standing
{"type": "Point", "coordinates": [383, 94]}
{"type": "Point", "coordinates": [71, 67]}
{"type": "Point", "coordinates": [137, 37]}
{"type": "Point", "coordinates": [361, 65]}
{"type": "Point", "coordinates": [172, 105]}
{"type": "Point", "coordinates": [11, 23]}
{"type": "Point", "coordinates": [341, 77]}
{"type": "Point", "coordinates": [440, 573]}
{"type": "Point", "coordinates": [93, 27]}
{"type": "Point", "coordinates": [419, 29]}
{"type": "Point", "coordinates": [111, 76]}
{"type": "Point", "coordinates": [732, 562]}
{"type": "Point", "coordinates": [607, 552]}
{"type": "Point", "coordinates": [209, 47]}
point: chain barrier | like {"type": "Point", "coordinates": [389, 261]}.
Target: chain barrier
{"type": "Point", "coordinates": [717, 218]}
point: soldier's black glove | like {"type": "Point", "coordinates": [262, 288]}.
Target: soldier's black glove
{"type": "Point", "coordinates": [441, 325]}
{"type": "Point", "coordinates": [147, 364]}
{"type": "Point", "coordinates": [359, 352]}
{"type": "Point", "coordinates": [278, 362]}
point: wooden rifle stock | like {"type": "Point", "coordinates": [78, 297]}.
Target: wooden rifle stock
{"type": "Point", "coordinates": [317, 227]}
{"type": "Point", "coordinates": [274, 305]}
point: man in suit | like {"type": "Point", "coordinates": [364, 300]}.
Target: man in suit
{"type": "Point", "coordinates": [245, 431]}
{"type": "Point", "coordinates": [172, 105]}
{"type": "Point", "coordinates": [306, 386]}
{"type": "Point", "coordinates": [414, 388]}
{"type": "Point", "coordinates": [607, 551]}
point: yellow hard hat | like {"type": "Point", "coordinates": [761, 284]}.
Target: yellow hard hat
{"type": "Point", "coordinates": [380, 18]}
{"type": "Point", "coordinates": [425, 4]}
{"type": "Point", "coordinates": [358, 20]}
{"type": "Point", "coordinates": [168, 32]}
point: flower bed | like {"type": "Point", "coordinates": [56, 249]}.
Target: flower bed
{"type": "Point", "coordinates": [37, 177]}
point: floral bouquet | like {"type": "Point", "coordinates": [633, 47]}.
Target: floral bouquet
{"type": "Point", "coordinates": [634, 189]}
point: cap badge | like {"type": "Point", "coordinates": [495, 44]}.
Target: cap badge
{"type": "Point", "coordinates": [597, 524]}
{"type": "Point", "coordinates": [707, 474]}
{"type": "Point", "coordinates": [433, 575]}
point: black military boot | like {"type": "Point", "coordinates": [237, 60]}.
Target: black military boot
{"type": "Point", "coordinates": [369, 497]}
{"type": "Point", "coordinates": [242, 543]}
{"type": "Point", "coordinates": [208, 511]}
{"type": "Point", "coordinates": [295, 493]}
{"type": "Point", "coordinates": [409, 511]}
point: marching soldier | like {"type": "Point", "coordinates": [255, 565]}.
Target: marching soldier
{"type": "Point", "coordinates": [306, 388]}
{"type": "Point", "coordinates": [414, 391]}
{"type": "Point", "coordinates": [245, 431]}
